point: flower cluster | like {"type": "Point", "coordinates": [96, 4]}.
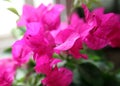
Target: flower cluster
{"type": "Point", "coordinates": [39, 42]}
{"type": "Point", "coordinates": [104, 30]}
{"type": "Point", "coordinates": [45, 35]}
{"type": "Point", "coordinates": [7, 71]}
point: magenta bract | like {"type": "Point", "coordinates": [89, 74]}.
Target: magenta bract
{"type": "Point", "coordinates": [7, 71]}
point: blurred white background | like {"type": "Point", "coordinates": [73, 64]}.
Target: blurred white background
{"type": "Point", "coordinates": [8, 19]}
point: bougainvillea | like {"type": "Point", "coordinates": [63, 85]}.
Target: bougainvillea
{"type": "Point", "coordinates": [102, 26]}
{"type": "Point", "coordinates": [47, 35]}
{"type": "Point", "coordinates": [7, 71]}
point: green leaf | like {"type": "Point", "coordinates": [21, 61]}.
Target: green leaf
{"type": "Point", "coordinates": [55, 55]}
{"type": "Point", "coordinates": [104, 66]}
{"type": "Point", "coordinates": [95, 55]}
{"type": "Point", "coordinates": [118, 74]}
{"type": "Point", "coordinates": [23, 29]}
{"type": "Point", "coordinates": [31, 65]}
{"type": "Point", "coordinates": [111, 80]}
{"type": "Point", "coordinates": [90, 74]}
{"type": "Point", "coordinates": [13, 10]}
{"type": "Point", "coordinates": [76, 77]}
{"type": "Point", "coordinates": [8, 50]}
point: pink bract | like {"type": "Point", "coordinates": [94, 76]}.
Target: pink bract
{"type": "Point", "coordinates": [58, 77]}
{"type": "Point", "coordinates": [45, 64]}
{"type": "Point", "coordinates": [21, 52]}
{"type": "Point", "coordinates": [49, 15]}
{"type": "Point", "coordinates": [51, 18]}
{"type": "Point", "coordinates": [114, 35]}
{"type": "Point", "coordinates": [71, 38]}
{"type": "Point", "coordinates": [7, 71]}
{"type": "Point", "coordinates": [41, 42]}
{"type": "Point", "coordinates": [102, 25]}
{"type": "Point", "coordinates": [31, 14]}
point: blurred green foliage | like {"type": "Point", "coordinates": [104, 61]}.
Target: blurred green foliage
{"type": "Point", "coordinates": [90, 3]}
{"type": "Point", "coordinates": [96, 71]}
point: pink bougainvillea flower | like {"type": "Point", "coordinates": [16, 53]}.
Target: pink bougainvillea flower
{"type": "Point", "coordinates": [102, 24]}
{"type": "Point", "coordinates": [31, 14]}
{"type": "Point", "coordinates": [21, 52]}
{"type": "Point", "coordinates": [49, 15]}
{"type": "Point", "coordinates": [62, 26]}
{"type": "Point", "coordinates": [34, 34]}
{"type": "Point", "coordinates": [79, 25]}
{"type": "Point", "coordinates": [7, 71]}
{"type": "Point", "coordinates": [115, 39]}
{"type": "Point", "coordinates": [28, 15]}
{"type": "Point", "coordinates": [58, 77]}
{"type": "Point", "coordinates": [91, 39]}
{"type": "Point", "coordinates": [45, 64]}
{"type": "Point", "coordinates": [41, 42]}
{"type": "Point", "coordinates": [51, 18]}
{"type": "Point", "coordinates": [75, 50]}
{"type": "Point", "coordinates": [70, 38]}
{"type": "Point", "coordinates": [113, 36]}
